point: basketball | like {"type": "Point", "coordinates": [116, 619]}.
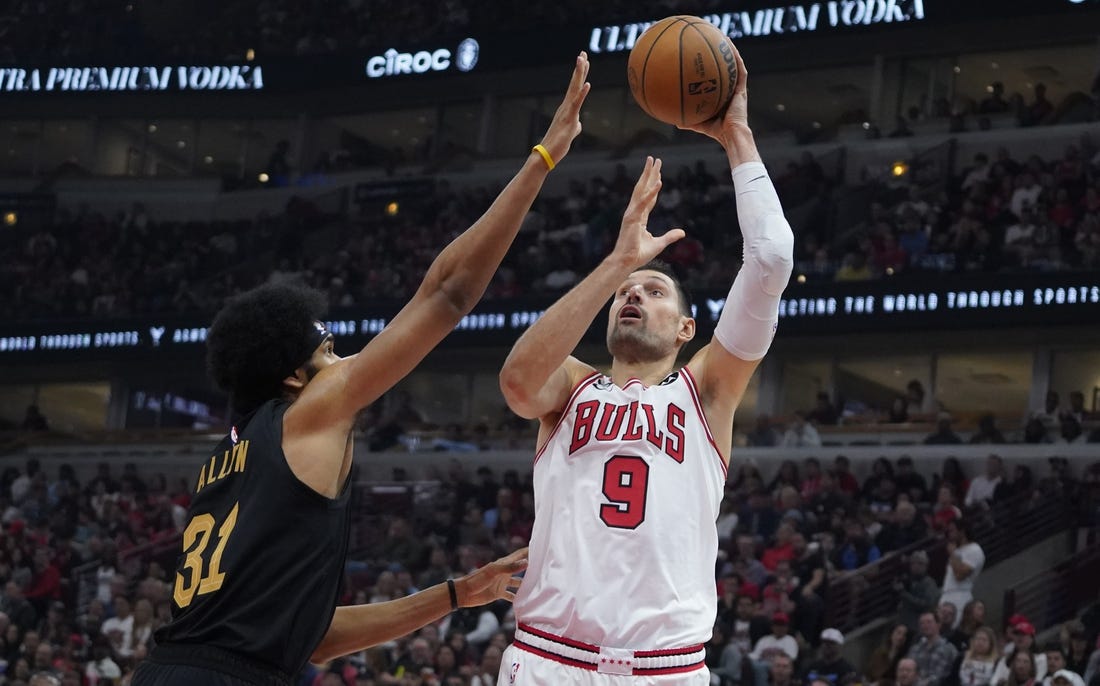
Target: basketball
{"type": "Point", "coordinates": [682, 71]}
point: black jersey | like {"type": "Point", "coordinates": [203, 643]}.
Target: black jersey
{"type": "Point", "coordinates": [263, 554]}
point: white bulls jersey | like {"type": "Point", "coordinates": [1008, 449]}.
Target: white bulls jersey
{"type": "Point", "coordinates": [627, 489]}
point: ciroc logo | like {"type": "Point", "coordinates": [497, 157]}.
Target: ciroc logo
{"type": "Point", "coordinates": [394, 62]}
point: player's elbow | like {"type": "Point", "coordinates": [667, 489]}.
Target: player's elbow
{"type": "Point", "coordinates": [773, 251]}
{"type": "Point", "coordinates": [517, 393]}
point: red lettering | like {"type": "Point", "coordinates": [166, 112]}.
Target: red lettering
{"type": "Point", "coordinates": [674, 441]}
{"type": "Point", "coordinates": [653, 435]}
{"type": "Point", "coordinates": [582, 428]}
{"type": "Point", "coordinates": [633, 432]}
{"type": "Point", "coordinates": [610, 433]}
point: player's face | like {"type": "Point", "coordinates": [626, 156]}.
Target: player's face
{"type": "Point", "coordinates": [323, 356]}
{"type": "Point", "coordinates": [645, 323]}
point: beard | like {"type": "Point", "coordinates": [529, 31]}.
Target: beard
{"type": "Point", "coordinates": [635, 343]}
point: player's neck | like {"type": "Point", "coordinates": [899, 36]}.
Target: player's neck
{"type": "Point", "coordinates": [649, 373]}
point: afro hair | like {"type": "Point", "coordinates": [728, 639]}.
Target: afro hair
{"type": "Point", "coordinates": [259, 338]}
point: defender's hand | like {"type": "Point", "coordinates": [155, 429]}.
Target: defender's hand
{"type": "Point", "coordinates": [566, 125]}
{"type": "Point", "coordinates": [494, 581]}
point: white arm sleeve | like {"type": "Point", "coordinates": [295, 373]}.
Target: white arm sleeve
{"type": "Point", "coordinates": [751, 313]}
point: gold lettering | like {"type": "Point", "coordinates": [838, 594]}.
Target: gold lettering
{"type": "Point", "coordinates": [240, 452]}
{"type": "Point", "coordinates": [202, 479]}
{"type": "Point", "coordinates": [210, 478]}
{"type": "Point", "coordinates": [226, 463]}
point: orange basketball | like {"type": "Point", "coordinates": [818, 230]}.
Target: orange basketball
{"type": "Point", "coordinates": [682, 71]}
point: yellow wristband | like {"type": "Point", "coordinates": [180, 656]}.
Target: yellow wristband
{"type": "Point", "coordinates": [545, 156]}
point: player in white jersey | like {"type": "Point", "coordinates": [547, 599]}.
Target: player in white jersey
{"type": "Point", "coordinates": [630, 468]}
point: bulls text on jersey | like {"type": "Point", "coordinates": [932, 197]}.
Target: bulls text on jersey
{"type": "Point", "coordinates": [603, 421]}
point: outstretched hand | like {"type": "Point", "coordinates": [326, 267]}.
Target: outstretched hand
{"type": "Point", "coordinates": [636, 245]}
{"type": "Point", "coordinates": [494, 581]}
{"type": "Point", "coordinates": [722, 127]}
{"type": "Point", "coordinates": [566, 125]}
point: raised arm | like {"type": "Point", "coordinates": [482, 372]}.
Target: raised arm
{"type": "Point", "coordinates": [540, 373]}
{"type": "Point", "coordinates": [751, 313]}
{"type": "Point", "coordinates": [452, 286]}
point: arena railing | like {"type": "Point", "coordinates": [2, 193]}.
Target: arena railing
{"type": "Point", "coordinates": [1059, 593]}
{"type": "Point", "coordinates": [858, 597]}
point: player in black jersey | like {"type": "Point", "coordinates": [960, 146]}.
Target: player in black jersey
{"type": "Point", "coordinates": [254, 595]}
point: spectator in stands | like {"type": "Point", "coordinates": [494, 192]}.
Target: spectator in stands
{"type": "Point", "coordinates": [965, 560]}
{"type": "Point", "coordinates": [898, 412]}
{"type": "Point", "coordinates": [811, 483]}
{"type": "Point", "coordinates": [829, 501]}
{"type": "Point", "coordinates": [908, 673]}
{"type": "Point", "coordinates": [1077, 658]}
{"type": "Point", "coordinates": [995, 103]}
{"type": "Point", "coordinates": [759, 519]}
{"type": "Point", "coordinates": [951, 475]}
{"type": "Point", "coordinates": [724, 660]}
{"type": "Point", "coordinates": [1036, 432]}
{"type": "Point", "coordinates": [830, 666]}
{"type": "Point", "coordinates": [883, 663]}
{"type": "Point", "coordinates": [1039, 110]}
{"type": "Point", "coordinates": [987, 432]}
{"type": "Point", "coordinates": [980, 660]}
{"type": "Point", "coordinates": [763, 435]}
{"type": "Point", "coordinates": [918, 402]}
{"type": "Point", "coordinates": [842, 472]}
{"type": "Point", "coordinates": [747, 626]}
{"type": "Point", "coordinates": [904, 529]}
{"type": "Point", "coordinates": [1077, 398]}
{"type": "Point", "coordinates": [973, 616]}
{"type": "Point", "coordinates": [786, 476]}
{"type": "Point", "coordinates": [781, 550]}
{"type": "Point", "coordinates": [778, 641]}
{"type": "Point", "coordinates": [880, 469]}
{"type": "Point", "coordinates": [1056, 661]}
{"type": "Point", "coordinates": [1070, 431]}
{"type": "Point", "coordinates": [982, 486]}
{"type": "Point", "coordinates": [1050, 412]}
{"type": "Point", "coordinates": [1022, 672]}
{"type": "Point", "coordinates": [824, 412]}
{"type": "Point", "coordinates": [932, 653]}
{"type": "Point", "coordinates": [17, 608]}
{"type": "Point", "coordinates": [917, 592]}
{"type": "Point", "coordinates": [1022, 485]}
{"type": "Point", "coordinates": [945, 511]}
{"type": "Point", "coordinates": [943, 434]}
{"type": "Point", "coordinates": [34, 420]}
{"type": "Point", "coordinates": [947, 615]}
{"type": "Point", "coordinates": [801, 433]}
{"type": "Point", "coordinates": [781, 671]}
{"type": "Point", "coordinates": [809, 568]}
{"type": "Point", "coordinates": [1023, 643]}
{"type": "Point", "coordinates": [909, 481]}
{"type": "Point", "coordinates": [977, 174]}
{"type": "Point", "coordinates": [858, 549]}
{"type": "Point", "coordinates": [755, 572]}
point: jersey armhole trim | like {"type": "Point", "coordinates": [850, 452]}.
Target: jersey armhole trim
{"type": "Point", "coordinates": [581, 385]}
{"type": "Point", "coordinates": [689, 379]}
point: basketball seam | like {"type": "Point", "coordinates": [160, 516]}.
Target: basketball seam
{"type": "Point", "coordinates": [680, 57]}
{"type": "Point", "coordinates": [717, 63]}
{"type": "Point", "coordinates": [645, 65]}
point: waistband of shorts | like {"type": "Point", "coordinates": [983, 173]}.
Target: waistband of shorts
{"type": "Point", "coordinates": [221, 660]}
{"type": "Point", "coordinates": [609, 660]}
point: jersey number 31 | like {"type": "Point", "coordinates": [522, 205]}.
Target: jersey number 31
{"type": "Point", "coordinates": [196, 538]}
